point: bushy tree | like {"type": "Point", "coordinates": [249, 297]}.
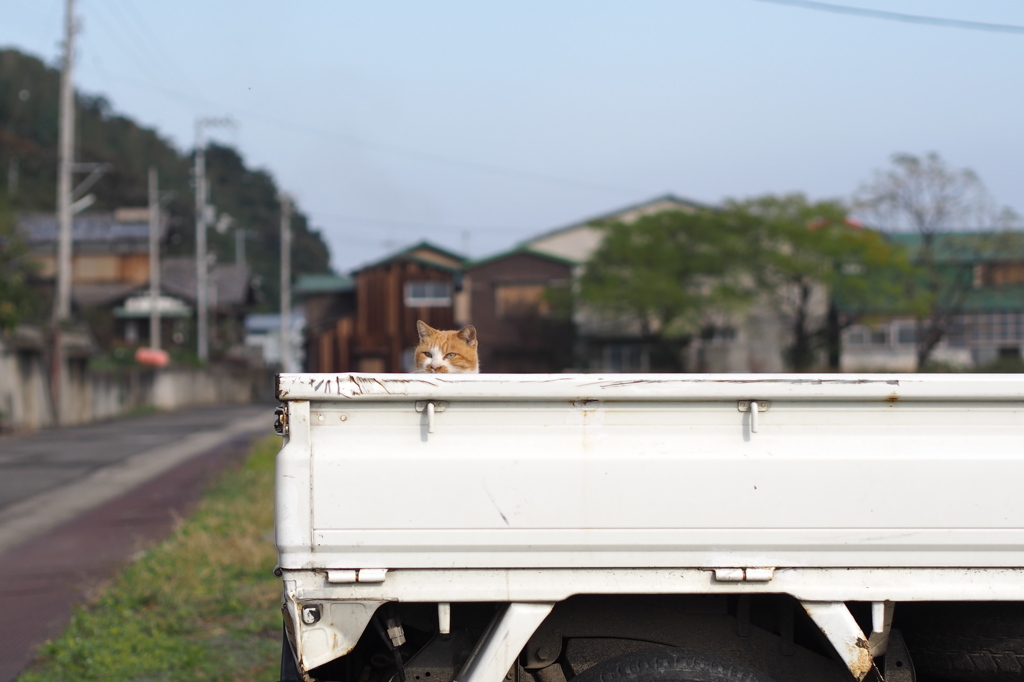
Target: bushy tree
{"type": "Point", "coordinates": [925, 196]}
{"type": "Point", "coordinates": [28, 144]}
{"type": "Point", "coordinates": [667, 273]}
{"type": "Point", "coordinates": [799, 250]}
{"type": "Point", "coordinates": [17, 300]}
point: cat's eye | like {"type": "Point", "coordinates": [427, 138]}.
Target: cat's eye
{"type": "Point", "coordinates": [450, 356]}
{"type": "Point", "coordinates": [426, 353]}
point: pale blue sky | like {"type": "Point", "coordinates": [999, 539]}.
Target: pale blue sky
{"type": "Point", "coordinates": [478, 124]}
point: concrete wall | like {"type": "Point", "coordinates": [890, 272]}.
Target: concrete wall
{"type": "Point", "coordinates": [24, 388]}
{"type": "Point", "coordinates": [87, 395]}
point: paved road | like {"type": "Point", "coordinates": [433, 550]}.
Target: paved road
{"type": "Point", "coordinates": [76, 504]}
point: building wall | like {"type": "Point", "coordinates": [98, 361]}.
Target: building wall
{"type": "Point", "coordinates": [24, 388]}
{"type": "Point", "coordinates": [385, 326]}
{"type": "Point", "coordinates": [87, 395]}
{"type": "Point", "coordinates": [889, 345]}
{"type": "Point", "coordinates": [514, 335]}
{"type": "Point", "coordinates": [574, 244]}
{"type": "Point", "coordinates": [578, 243]}
{"type": "Point", "coordinates": [129, 268]}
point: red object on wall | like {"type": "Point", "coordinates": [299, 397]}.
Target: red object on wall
{"type": "Point", "coordinates": [153, 357]}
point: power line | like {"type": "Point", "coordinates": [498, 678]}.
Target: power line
{"type": "Point", "coordinates": [897, 16]}
{"type": "Point", "coordinates": [156, 45]}
{"type": "Point", "coordinates": [437, 158]}
{"type": "Point", "coordinates": [320, 133]}
{"type": "Point", "coordinates": [115, 31]}
{"type": "Point", "coordinates": [407, 224]}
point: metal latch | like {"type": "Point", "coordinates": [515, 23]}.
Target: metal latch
{"type": "Point", "coordinates": [754, 407]}
{"type": "Point", "coordinates": [744, 575]}
{"type": "Point", "coordinates": [430, 407]}
{"type": "Point", "coordinates": [281, 420]}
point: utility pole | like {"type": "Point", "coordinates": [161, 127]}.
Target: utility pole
{"type": "Point", "coordinates": [241, 234]}
{"type": "Point", "coordinates": [202, 222]}
{"type": "Point", "coordinates": [65, 164]}
{"type": "Point", "coordinates": [12, 177]}
{"type": "Point", "coordinates": [154, 260]}
{"type": "Point", "coordinates": [286, 284]}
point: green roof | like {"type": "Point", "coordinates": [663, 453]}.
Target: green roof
{"type": "Point", "coordinates": [612, 215]}
{"type": "Point", "coordinates": [520, 250]}
{"type": "Point", "coordinates": [964, 247]}
{"type": "Point", "coordinates": [405, 254]}
{"type": "Point", "coordinates": [956, 255]}
{"type": "Point", "coordinates": [326, 283]}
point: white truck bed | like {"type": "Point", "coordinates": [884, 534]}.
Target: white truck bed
{"type": "Point", "coordinates": [573, 471]}
{"type": "Point", "coordinates": [587, 476]}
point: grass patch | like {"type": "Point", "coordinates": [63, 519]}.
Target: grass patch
{"type": "Point", "coordinates": [203, 605]}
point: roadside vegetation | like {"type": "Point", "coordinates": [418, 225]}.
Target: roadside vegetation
{"type": "Point", "coordinates": [203, 605]}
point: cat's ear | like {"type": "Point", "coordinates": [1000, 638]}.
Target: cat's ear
{"type": "Point", "coordinates": [468, 334]}
{"type": "Point", "coordinates": [424, 329]}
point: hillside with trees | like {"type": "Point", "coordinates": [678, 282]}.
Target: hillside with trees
{"type": "Point", "coordinates": [28, 159]}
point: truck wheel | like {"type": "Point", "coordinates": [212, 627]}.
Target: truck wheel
{"type": "Point", "coordinates": [670, 665]}
{"type": "Point", "coordinates": [289, 668]}
{"type": "Point", "coordinates": [968, 642]}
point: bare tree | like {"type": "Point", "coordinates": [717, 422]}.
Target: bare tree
{"type": "Point", "coordinates": [939, 203]}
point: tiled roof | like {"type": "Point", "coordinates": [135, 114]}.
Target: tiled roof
{"type": "Point", "coordinates": [322, 284]}
{"type": "Point", "coordinates": [41, 228]}
{"type": "Point", "coordinates": [103, 294]}
{"type": "Point", "coordinates": [229, 284]}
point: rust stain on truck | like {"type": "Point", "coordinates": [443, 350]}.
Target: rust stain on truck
{"type": "Point", "coordinates": [859, 660]}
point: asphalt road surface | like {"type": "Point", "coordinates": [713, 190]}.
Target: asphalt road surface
{"type": "Point", "coordinates": [77, 503]}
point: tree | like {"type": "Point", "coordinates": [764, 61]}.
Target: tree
{"type": "Point", "coordinates": [28, 144]}
{"type": "Point", "coordinates": [17, 300]}
{"type": "Point", "coordinates": [802, 251]}
{"type": "Point", "coordinates": [667, 273]}
{"type": "Point", "coordinates": [927, 197]}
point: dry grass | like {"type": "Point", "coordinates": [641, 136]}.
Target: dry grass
{"type": "Point", "coordinates": [204, 605]}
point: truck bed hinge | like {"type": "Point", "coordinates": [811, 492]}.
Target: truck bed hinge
{"type": "Point", "coordinates": [744, 575]}
{"type": "Point", "coordinates": [356, 575]}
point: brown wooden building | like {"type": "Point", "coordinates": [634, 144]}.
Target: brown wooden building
{"type": "Point", "coordinates": [417, 283]}
{"type": "Point", "coordinates": [328, 301]}
{"type": "Point", "coordinates": [519, 304]}
{"type": "Point", "coordinates": [110, 252]}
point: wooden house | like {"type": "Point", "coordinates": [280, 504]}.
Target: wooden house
{"type": "Point", "coordinates": [328, 301]}
{"type": "Point", "coordinates": [417, 283]}
{"type": "Point", "coordinates": [519, 304]}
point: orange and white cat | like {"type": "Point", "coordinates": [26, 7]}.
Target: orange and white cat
{"type": "Point", "coordinates": [446, 352]}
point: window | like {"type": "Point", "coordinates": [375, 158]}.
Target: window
{"type": "Point", "coordinates": [428, 294]}
{"type": "Point", "coordinates": [906, 335]}
{"type": "Point", "coordinates": [998, 274]}
{"type": "Point", "coordinates": [520, 300]}
{"type": "Point", "coordinates": [855, 337]}
{"type": "Point", "coordinates": [716, 335]}
{"type": "Point", "coordinates": [878, 337]}
{"type": "Point", "coordinates": [956, 337]}
{"type": "Point", "coordinates": [625, 357]}
{"type": "Point", "coordinates": [725, 334]}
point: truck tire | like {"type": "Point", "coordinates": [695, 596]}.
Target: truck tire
{"type": "Point", "coordinates": [670, 665]}
{"type": "Point", "coordinates": [289, 668]}
{"type": "Point", "coordinates": [968, 642]}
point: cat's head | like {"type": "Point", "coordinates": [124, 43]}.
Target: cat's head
{"type": "Point", "coordinates": [446, 352]}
